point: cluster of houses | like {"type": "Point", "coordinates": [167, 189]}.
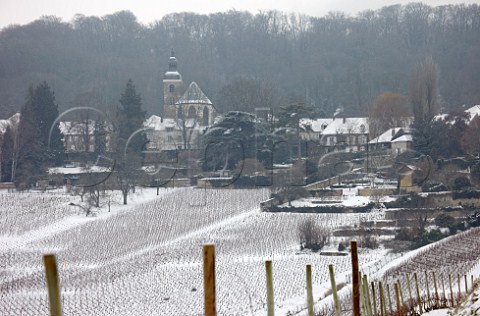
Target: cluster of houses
{"type": "Point", "coordinates": [187, 112]}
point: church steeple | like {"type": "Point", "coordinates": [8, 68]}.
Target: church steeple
{"type": "Point", "coordinates": [172, 64]}
{"type": "Point", "coordinates": [173, 87]}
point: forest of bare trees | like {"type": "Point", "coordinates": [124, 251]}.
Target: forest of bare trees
{"type": "Point", "coordinates": [329, 62]}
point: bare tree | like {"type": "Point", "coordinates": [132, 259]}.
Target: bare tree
{"type": "Point", "coordinates": [187, 124]}
{"type": "Point", "coordinates": [387, 111]}
{"type": "Point", "coordinates": [424, 90]}
{"type": "Point", "coordinates": [312, 236]}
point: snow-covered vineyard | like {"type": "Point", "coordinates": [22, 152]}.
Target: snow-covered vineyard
{"type": "Point", "coordinates": [146, 258]}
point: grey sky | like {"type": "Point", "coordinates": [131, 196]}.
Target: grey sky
{"type": "Point", "coordinates": [25, 11]}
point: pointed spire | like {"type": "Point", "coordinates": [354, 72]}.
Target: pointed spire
{"type": "Point", "coordinates": [172, 63]}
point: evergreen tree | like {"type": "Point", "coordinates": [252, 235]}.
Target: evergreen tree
{"type": "Point", "coordinates": [39, 145]}
{"type": "Point", "coordinates": [6, 155]}
{"type": "Point", "coordinates": [100, 136]}
{"type": "Point", "coordinates": [131, 139]}
{"type": "Point", "coordinates": [130, 118]}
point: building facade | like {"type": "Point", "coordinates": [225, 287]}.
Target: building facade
{"type": "Point", "coordinates": [181, 103]}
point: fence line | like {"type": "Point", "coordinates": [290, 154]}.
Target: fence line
{"type": "Point", "coordinates": [372, 301]}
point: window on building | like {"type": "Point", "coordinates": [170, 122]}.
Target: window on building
{"type": "Point", "coordinates": [171, 88]}
{"type": "Point", "coordinates": [205, 116]}
{"type": "Point", "coordinates": [192, 113]}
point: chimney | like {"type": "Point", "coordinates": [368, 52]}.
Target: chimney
{"type": "Point", "coordinates": [393, 132]}
{"type": "Point", "coordinates": [344, 120]}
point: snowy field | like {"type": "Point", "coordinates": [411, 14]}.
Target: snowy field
{"type": "Point", "coordinates": [146, 257]}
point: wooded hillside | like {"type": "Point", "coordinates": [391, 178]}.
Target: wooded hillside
{"type": "Point", "coordinates": [330, 62]}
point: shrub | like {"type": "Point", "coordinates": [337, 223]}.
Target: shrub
{"type": "Point", "coordinates": [466, 194]}
{"type": "Point", "coordinates": [404, 234]}
{"type": "Point", "coordinates": [428, 238]}
{"type": "Point", "coordinates": [474, 219]}
{"type": "Point", "coordinates": [401, 202]}
{"type": "Point", "coordinates": [433, 187]}
{"type": "Point", "coordinates": [312, 236]}
{"type": "Point", "coordinates": [342, 246]}
{"type": "Point", "coordinates": [369, 241]}
{"type": "Point", "coordinates": [461, 183]}
{"type": "Point", "coordinates": [444, 220]}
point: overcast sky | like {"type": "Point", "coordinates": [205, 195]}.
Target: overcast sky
{"type": "Point", "coordinates": [25, 11]}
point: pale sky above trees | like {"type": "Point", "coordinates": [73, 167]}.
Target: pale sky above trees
{"type": "Point", "coordinates": [147, 11]}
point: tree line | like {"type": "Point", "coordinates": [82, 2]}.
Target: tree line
{"type": "Point", "coordinates": [34, 145]}
{"type": "Point", "coordinates": [242, 60]}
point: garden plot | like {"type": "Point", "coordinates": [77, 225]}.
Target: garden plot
{"type": "Point", "coordinates": [146, 258]}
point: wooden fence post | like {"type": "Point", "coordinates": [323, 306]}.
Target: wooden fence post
{"type": "Point", "coordinates": [363, 296]}
{"type": "Point", "coordinates": [389, 298]}
{"type": "Point", "coordinates": [209, 280]}
{"type": "Point", "coordinates": [437, 298]}
{"type": "Point", "coordinates": [334, 290]}
{"type": "Point", "coordinates": [270, 299]}
{"type": "Point", "coordinates": [466, 286]}
{"type": "Point", "coordinates": [52, 284]}
{"type": "Point", "coordinates": [309, 290]}
{"type": "Point", "coordinates": [419, 299]}
{"type": "Point", "coordinates": [355, 281]}
{"type": "Point", "coordinates": [374, 297]}
{"type": "Point", "coordinates": [409, 291]}
{"type": "Point", "coordinates": [428, 286]}
{"type": "Point", "coordinates": [451, 289]}
{"type": "Point", "coordinates": [367, 292]}
{"type": "Point", "coordinates": [443, 288]}
{"type": "Point", "coordinates": [383, 307]}
{"type": "Point", "coordinates": [401, 293]}
{"type": "Point", "coordinates": [459, 288]}
{"type": "Point", "coordinates": [397, 297]}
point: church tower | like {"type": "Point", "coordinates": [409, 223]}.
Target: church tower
{"type": "Point", "coordinates": [173, 88]}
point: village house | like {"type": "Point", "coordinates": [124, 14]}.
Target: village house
{"type": "Point", "coordinates": [395, 140]}
{"type": "Point", "coordinates": [346, 134]}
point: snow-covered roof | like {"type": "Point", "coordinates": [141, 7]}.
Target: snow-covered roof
{"type": "Point", "coordinates": [403, 138]}
{"type": "Point", "coordinates": [76, 128]}
{"type": "Point", "coordinates": [194, 95]}
{"type": "Point", "coordinates": [11, 121]}
{"type": "Point", "coordinates": [79, 170]}
{"type": "Point", "coordinates": [317, 125]}
{"type": "Point", "coordinates": [158, 124]}
{"type": "Point", "coordinates": [473, 111]}
{"type": "Point", "coordinates": [348, 125]}
{"type": "Point", "coordinates": [386, 137]}
{"type": "Point", "coordinates": [172, 75]}
{"type": "Point", "coordinates": [393, 135]}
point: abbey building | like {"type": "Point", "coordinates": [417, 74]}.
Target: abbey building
{"type": "Point", "coordinates": [181, 102]}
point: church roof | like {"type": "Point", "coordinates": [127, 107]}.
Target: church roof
{"type": "Point", "coordinates": [194, 95]}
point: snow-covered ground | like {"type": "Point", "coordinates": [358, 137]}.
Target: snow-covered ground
{"type": "Point", "coordinates": [470, 306]}
{"type": "Point", "coordinates": [145, 257]}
